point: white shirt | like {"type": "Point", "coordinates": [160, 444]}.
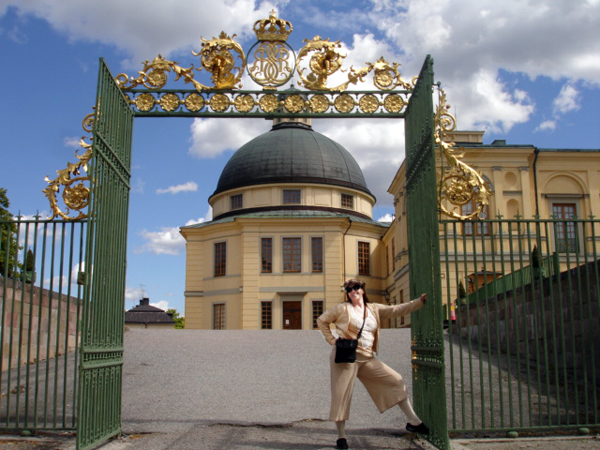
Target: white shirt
{"type": "Point", "coordinates": [368, 333]}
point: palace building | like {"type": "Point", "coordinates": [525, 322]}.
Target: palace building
{"type": "Point", "coordinates": [293, 218]}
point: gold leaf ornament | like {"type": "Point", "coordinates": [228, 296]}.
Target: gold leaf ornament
{"type": "Point", "coordinates": [269, 103]}
{"type": "Point", "coordinates": [218, 56]}
{"type": "Point", "coordinates": [460, 183]}
{"type": "Point", "coordinates": [244, 103]}
{"type": "Point", "coordinates": [75, 194]}
{"type": "Point", "coordinates": [319, 103]}
{"type": "Point", "coordinates": [154, 75]}
{"type": "Point", "coordinates": [194, 102]}
{"type": "Point", "coordinates": [324, 61]}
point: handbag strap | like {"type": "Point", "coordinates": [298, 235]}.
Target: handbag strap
{"type": "Point", "coordinates": [363, 325]}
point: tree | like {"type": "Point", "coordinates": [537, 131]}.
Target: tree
{"type": "Point", "coordinates": [8, 237]}
{"type": "Point", "coordinates": [179, 321]}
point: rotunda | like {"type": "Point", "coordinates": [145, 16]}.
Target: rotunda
{"type": "Point", "coordinates": [292, 218]}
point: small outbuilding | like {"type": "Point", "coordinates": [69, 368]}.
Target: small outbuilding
{"type": "Point", "coordinates": [147, 316]}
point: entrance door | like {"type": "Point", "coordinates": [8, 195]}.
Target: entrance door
{"type": "Point", "coordinates": [292, 315]}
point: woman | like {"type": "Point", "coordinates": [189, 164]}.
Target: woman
{"type": "Point", "coordinates": [384, 385]}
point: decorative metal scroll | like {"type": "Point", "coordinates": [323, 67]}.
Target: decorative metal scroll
{"type": "Point", "coordinates": [459, 183]}
{"type": "Point", "coordinates": [250, 103]}
{"type": "Point", "coordinates": [273, 64]}
{"type": "Point", "coordinates": [273, 60]}
{"type": "Point", "coordinates": [75, 194]}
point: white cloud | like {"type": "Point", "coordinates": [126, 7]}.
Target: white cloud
{"type": "Point", "coordinates": [210, 138]}
{"type": "Point", "coordinates": [190, 186]}
{"type": "Point", "coordinates": [163, 304]}
{"type": "Point", "coordinates": [137, 185]}
{"type": "Point", "coordinates": [387, 218]}
{"type": "Point", "coordinates": [133, 294]}
{"type": "Point", "coordinates": [167, 241]}
{"type": "Point", "coordinates": [143, 31]}
{"type": "Point", "coordinates": [568, 100]}
{"type": "Point", "coordinates": [547, 125]}
{"type": "Point", "coordinates": [473, 40]}
{"type": "Point", "coordinates": [377, 145]}
{"type": "Point", "coordinates": [207, 218]}
{"type": "Point", "coordinates": [72, 141]}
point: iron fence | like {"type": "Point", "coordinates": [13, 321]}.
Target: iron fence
{"type": "Point", "coordinates": [522, 354]}
{"type": "Point", "coordinates": [40, 329]}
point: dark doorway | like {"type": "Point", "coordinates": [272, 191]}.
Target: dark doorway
{"type": "Point", "coordinates": [292, 315]}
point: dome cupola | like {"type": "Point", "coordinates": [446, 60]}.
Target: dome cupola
{"type": "Point", "coordinates": [292, 152]}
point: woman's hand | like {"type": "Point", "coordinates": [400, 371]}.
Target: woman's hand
{"type": "Point", "coordinates": [423, 298]}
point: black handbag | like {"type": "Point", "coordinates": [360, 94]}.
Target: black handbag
{"type": "Point", "coordinates": [345, 349]}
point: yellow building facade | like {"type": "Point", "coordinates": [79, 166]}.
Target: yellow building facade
{"type": "Point", "coordinates": [526, 182]}
{"type": "Point", "coordinates": [292, 219]}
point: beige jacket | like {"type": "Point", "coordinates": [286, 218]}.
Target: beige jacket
{"type": "Point", "coordinates": [339, 315]}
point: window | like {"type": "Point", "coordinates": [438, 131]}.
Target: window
{"type": "Point", "coordinates": [317, 310]}
{"type": "Point", "coordinates": [347, 201]}
{"type": "Point", "coordinates": [266, 255]}
{"type": "Point", "coordinates": [364, 256]}
{"type": "Point", "coordinates": [393, 254]}
{"type": "Point", "coordinates": [317, 254]}
{"type": "Point", "coordinates": [266, 315]}
{"type": "Point", "coordinates": [220, 259]}
{"type": "Point", "coordinates": [236, 201]}
{"type": "Point", "coordinates": [292, 255]}
{"type": "Point", "coordinates": [481, 228]}
{"type": "Point", "coordinates": [565, 232]}
{"type": "Point", "coordinates": [291, 196]}
{"type": "Point", "coordinates": [219, 316]}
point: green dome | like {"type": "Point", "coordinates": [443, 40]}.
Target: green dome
{"type": "Point", "coordinates": [291, 153]}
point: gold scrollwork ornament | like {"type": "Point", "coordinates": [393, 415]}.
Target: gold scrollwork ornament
{"type": "Point", "coordinates": [459, 184]}
{"type": "Point", "coordinates": [75, 194]}
{"type": "Point", "coordinates": [154, 75]}
{"type": "Point", "coordinates": [218, 56]}
{"type": "Point", "coordinates": [324, 61]}
{"type": "Point", "coordinates": [273, 64]}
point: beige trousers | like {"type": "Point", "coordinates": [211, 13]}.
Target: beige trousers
{"type": "Point", "coordinates": [384, 385]}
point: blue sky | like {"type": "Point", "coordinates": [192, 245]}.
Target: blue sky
{"type": "Point", "coordinates": [524, 71]}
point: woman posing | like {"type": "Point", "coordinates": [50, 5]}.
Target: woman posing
{"type": "Point", "coordinates": [384, 385]}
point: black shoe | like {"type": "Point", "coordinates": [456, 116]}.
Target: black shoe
{"type": "Point", "coordinates": [341, 443]}
{"type": "Point", "coordinates": [421, 428]}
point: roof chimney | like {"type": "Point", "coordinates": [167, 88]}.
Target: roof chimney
{"type": "Point", "coordinates": [145, 301]}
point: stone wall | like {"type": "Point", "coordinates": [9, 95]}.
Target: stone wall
{"type": "Point", "coordinates": [559, 313]}
{"type": "Point", "coordinates": [36, 323]}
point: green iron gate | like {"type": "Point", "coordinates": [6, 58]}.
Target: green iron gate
{"type": "Point", "coordinates": [424, 256]}
{"type": "Point", "coordinates": [120, 99]}
{"type": "Point", "coordinates": [101, 367]}
{"type": "Point", "coordinates": [524, 349]}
